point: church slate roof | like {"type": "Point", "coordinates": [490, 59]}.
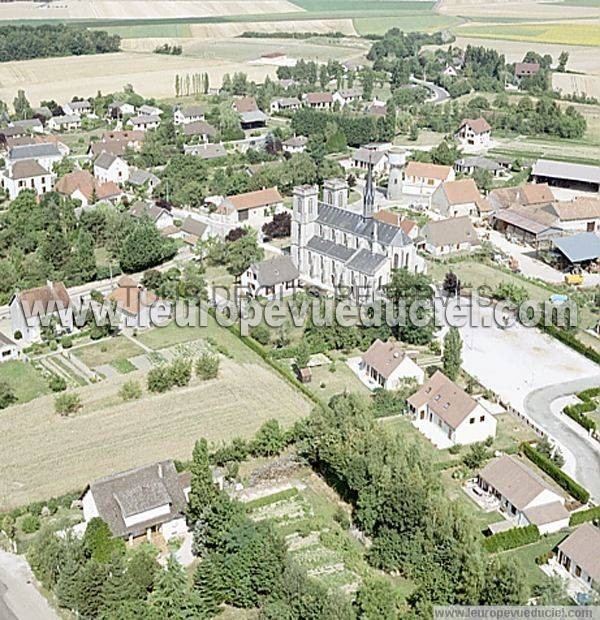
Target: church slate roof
{"type": "Point", "coordinates": [329, 248]}
{"type": "Point", "coordinates": [366, 262]}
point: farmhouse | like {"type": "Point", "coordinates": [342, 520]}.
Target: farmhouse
{"type": "Point", "coordinates": [347, 96]}
{"type": "Point", "coordinates": [582, 214]}
{"type": "Point", "coordinates": [531, 194]}
{"type": "Point", "coordinates": [387, 365]}
{"type": "Point", "coordinates": [139, 501]}
{"type": "Point", "coordinates": [254, 208]}
{"type": "Point", "coordinates": [205, 151]}
{"type": "Point", "coordinates": [149, 110]}
{"type": "Point", "coordinates": [579, 554]}
{"type": "Point", "coordinates": [12, 132]}
{"type": "Point", "coordinates": [81, 185]}
{"type": "Point", "coordinates": [134, 303]}
{"type": "Point", "coordinates": [469, 165]}
{"type": "Point", "coordinates": [141, 178]}
{"type": "Point", "coordinates": [295, 144]}
{"type": "Point", "coordinates": [8, 349]}
{"type": "Point", "coordinates": [455, 234]}
{"type": "Point", "coordinates": [66, 122]}
{"type": "Point", "coordinates": [522, 495]}
{"type": "Point", "coordinates": [190, 114]}
{"type": "Point", "coordinates": [119, 109]}
{"type": "Point", "coordinates": [161, 218]}
{"type": "Point", "coordinates": [26, 174]}
{"type": "Point", "coordinates": [202, 129]}
{"type": "Point", "coordinates": [28, 309]}
{"type": "Point", "coordinates": [526, 69]}
{"type": "Point", "coordinates": [423, 179]}
{"type": "Point", "coordinates": [144, 122]}
{"type": "Point", "coordinates": [447, 415]}
{"type": "Point", "coordinates": [322, 101]}
{"type": "Point", "coordinates": [30, 124]}
{"type": "Point", "coordinates": [457, 198]}
{"type": "Point", "coordinates": [46, 154]}
{"type": "Point", "coordinates": [535, 225]}
{"type": "Point", "coordinates": [80, 108]}
{"type": "Point", "coordinates": [474, 132]}
{"type": "Point", "coordinates": [244, 104]}
{"type": "Point", "coordinates": [335, 246]}
{"type": "Point", "coordinates": [565, 174]}
{"type": "Point", "coordinates": [284, 104]}
{"type": "Point", "coordinates": [273, 278]}
{"type": "Point", "coordinates": [132, 138]}
{"type": "Point", "coordinates": [109, 168]}
{"type": "Point", "coordinates": [193, 230]}
{"type": "Point", "coordinates": [363, 158]}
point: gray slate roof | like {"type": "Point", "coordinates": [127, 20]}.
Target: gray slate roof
{"type": "Point", "coordinates": [137, 490]}
{"type": "Point", "coordinates": [139, 177]}
{"type": "Point", "coordinates": [199, 128]}
{"type": "Point", "coordinates": [34, 151]}
{"type": "Point", "coordinates": [579, 248]}
{"type": "Point", "coordinates": [255, 116]}
{"type": "Point", "coordinates": [566, 170]}
{"type": "Point", "coordinates": [275, 271]}
{"type": "Point", "coordinates": [329, 248]}
{"type": "Point", "coordinates": [105, 160]}
{"type": "Point", "coordinates": [366, 262]}
{"type": "Point", "coordinates": [139, 208]}
{"type": "Point", "coordinates": [192, 226]}
{"type": "Point", "coordinates": [367, 156]}
{"type": "Point", "coordinates": [356, 224]}
{"type": "Point", "coordinates": [206, 151]}
{"type": "Point", "coordinates": [29, 122]}
{"type": "Point", "coordinates": [479, 162]}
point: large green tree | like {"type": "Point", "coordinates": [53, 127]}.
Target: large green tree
{"type": "Point", "coordinates": [451, 357]}
{"type": "Point", "coordinates": [203, 491]}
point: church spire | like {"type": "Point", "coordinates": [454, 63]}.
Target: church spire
{"type": "Point", "coordinates": [369, 194]}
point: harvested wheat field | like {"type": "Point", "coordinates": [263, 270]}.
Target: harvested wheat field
{"type": "Point", "coordinates": [142, 9]}
{"type": "Point", "coordinates": [523, 9]}
{"type": "Point", "coordinates": [45, 455]}
{"type": "Point", "coordinates": [152, 75]}
{"type": "Point", "coordinates": [571, 84]}
{"type": "Point", "coordinates": [224, 31]}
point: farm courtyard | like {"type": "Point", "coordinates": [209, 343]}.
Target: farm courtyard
{"type": "Point", "coordinates": [45, 455]}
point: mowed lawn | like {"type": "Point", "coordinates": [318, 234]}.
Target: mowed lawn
{"type": "Point", "coordinates": [44, 455]}
{"type": "Point", "coordinates": [108, 351]}
{"type": "Point", "coordinates": [24, 379]}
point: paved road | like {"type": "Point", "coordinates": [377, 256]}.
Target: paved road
{"type": "Point", "coordinates": [19, 598]}
{"type": "Point", "coordinates": [440, 95]}
{"type": "Point", "coordinates": [538, 406]}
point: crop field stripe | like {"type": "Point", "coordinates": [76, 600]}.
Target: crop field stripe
{"type": "Point", "coordinates": [564, 33]}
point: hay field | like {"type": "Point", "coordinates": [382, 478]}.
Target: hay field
{"type": "Point", "coordinates": [142, 9]}
{"type": "Point", "coordinates": [577, 84]}
{"type": "Point", "coordinates": [44, 455]}
{"type": "Point", "coordinates": [152, 75]}
{"type": "Point", "coordinates": [418, 22]}
{"type": "Point", "coordinates": [521, 9]}
{"type": "Point", "coordinates": [586, 33]}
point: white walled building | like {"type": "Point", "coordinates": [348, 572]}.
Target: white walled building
{"type": "Point", "coordinates": [423, 179]}
{"type": "Point", "coordinates": [26, 174]}
{"type": "Point", "coordinates": [273, 278]}
{"type": "Point", "coordinates": [459, 417]}
{"type": "Point", "coordinates": [252, 208]}
{"type": "Point", "coordinates": [579, 554]}
{"type": "Point", "coordinates": [110, 168]}
{"type": "Point", "coordinates": [475, 132]}
{"type": "Point", "coordinates": [388, 365]}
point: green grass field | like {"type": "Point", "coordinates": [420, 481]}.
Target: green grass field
{"type": "Point", "coordinates": [415, 22]}
{"type": "Point", "coordinates": [24, 379]}
{"type": "Point", "coordinates": [108, 352]}
{"type": "Point", "coordinates": [373, 6]}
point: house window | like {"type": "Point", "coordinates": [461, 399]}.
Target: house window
{"type": "Point", "coordinates": [482, 418]}
{"type": "Point", "coordinates": [471, 420]}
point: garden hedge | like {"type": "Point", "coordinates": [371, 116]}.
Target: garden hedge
{"type": "Point", "coordinates": [591, 514]}
{"type": "Point", "coordinates": [267, 500]}
{"type": "Point", "coordinates": [556, 473]}
{"type": "Point", "coordinates": [510, 539]}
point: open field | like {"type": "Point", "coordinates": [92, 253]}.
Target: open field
{"type": "Point", "coordinates": [23, 378]}
{"type": "Point", "coordinates": [565, 33]}
{"type": "Point", "coordinates": [107, 352]}
{"type": "Point", "coordinates": [416, 22]}
{"type": "Point", "coordinates": [535, 9]}
{"type": "Point", "coordinates": [44, 455]}
{"type": "Point", "coordinates": [136, 9]}
{"type": "Point", "coordinates": [571, 84]}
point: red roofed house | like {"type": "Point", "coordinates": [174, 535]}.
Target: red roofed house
{"type": "Point", "coordinates": [448, 416]}
{"type": "Point", "coordinates": [526, 69]}
{"type": "Point", "coordinates": [386, 365]}
{"type": "Point", "coordinates": [253, 208]}
{"type": "Point", "coordinates": [319, 100]}
{"type": "Point", "coordinates": [475, 132]}
{"type": "Point", "coordinates": [456, 198]}
{"type": "Point", "coordinates": [82, 186]}
{"type": "Point", "coordinates": [423, 179]}
{"type": "Point", "coordinates": [31, 309]}
{"type": "Point", "coordinates": [135, 303]}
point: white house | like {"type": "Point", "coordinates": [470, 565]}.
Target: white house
{"type": "Point", "coordinates": [447, 415]}
{"type": "Point", "coordinates": [284, 104]}
{"type": "Point", "coordinates": [423, 179]}
{"type": "Point", "coordinates": [66, 122]}
{"type": "Point", "coordinates": [273, 278]}
{"type": "Point", "coordinates": [161, 218]}
{"type": "Point", "coordinates": [26, 174]}
{"type": "Point", "coordinates": [582, 214]}
{"type": "Point", "coordinates": [321, 101]}
{"type": "Point", "coordinates": [135, 303]}
{"type": "Point", "coordinates": [387, 364]}
{"type": "Point", "coordinates": [450, 71]}
{"type": "Point", "coordinates": [475, 132]}
{"type": "Point", "coordinates": [82, 186]}
{"type": "Point", "coordinates": [30, 309]}
{"type": "Point", "coordinates": [457, 198]}
{"type": "Point", "coordinates": [295, 144]}
{"type": "Point", "coordinates": [80, 108]}
{"type": "Point", "coordinates": [119, 109]}
{"type": "Point", "coordinates": [364, 158]}
{"type": "Point", "coordinates": [522, 495]}
{"type": "Point", "coordinates": [149, 110]}
{"type": "Point", "coordinates": [579, 554]}
{"type": "Point", "coordinates": [9, 349]}
{"type": "Point", "coordinates": [30, 124]}
{"type": "Point", "coordinates": [139, 502]}
{"type": "Point", "coordinates": [45, 153]}
{"type": "Point", "coordinates": [141, 178]}
{"type": "Point", "coordinates": [456, 234]}
{"type": "Point", "coordinates": [190, 114]}
{"type": "Point", "coordinates": [253, 208]}
{"type": "Point", "coordinates": [109, 168]}
{"type": "Point", "coordinates": [143, 122]}
{"type": "Point", "coordinates": [347, 96]}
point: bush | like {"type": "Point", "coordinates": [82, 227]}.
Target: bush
{"type": "Point", "coordinates": [159, 379]}
{"type": "Point", "coordinates": [180, 372]}
{"type": "Point", "coordinates": [261, 333]}
{"type": "Point", "coordinates": [581, 516]}
{"type": "Point", "coordinates": [57, 384]}
{"type": "Point", "coordinates": [340, 516]}
{"type": "Point", "coordinates": [67, 404]}
{"type": "Point", "coordinates": [29, 524]}
{"type": "Point", "coordinates": [557, 474]}
{"type": "Point", "coordinates": [270, 439]}
{"type": "Point", "coordinates": [7, 394]}
{"type": "Point", "coordinates": [131, 390]}
{"type": "Point", "coordinates": [66, 342]}
{"type": "Point", "coordinates": [577, 412]}
{"type": "Point", "coordinates": [476, 455]}
{"type": "Point", "coordinates": [267, 500]}
{"type": "Point", "coordinates": [515, 537]}
{"type": "Point", "coordinates": [207, 366]}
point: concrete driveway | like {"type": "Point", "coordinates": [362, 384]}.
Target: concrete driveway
{"type": "Point", "coordinates": [19, 598]}
{"type": "Point", "coordinates": [539, 407]}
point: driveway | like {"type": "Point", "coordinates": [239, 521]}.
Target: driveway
{"type": "Point", "coordinates": [440, 95]}
{"type": "Point", "coordinates": [538, 406]}
{"type": "Point", "coordinates": [19, 598]}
